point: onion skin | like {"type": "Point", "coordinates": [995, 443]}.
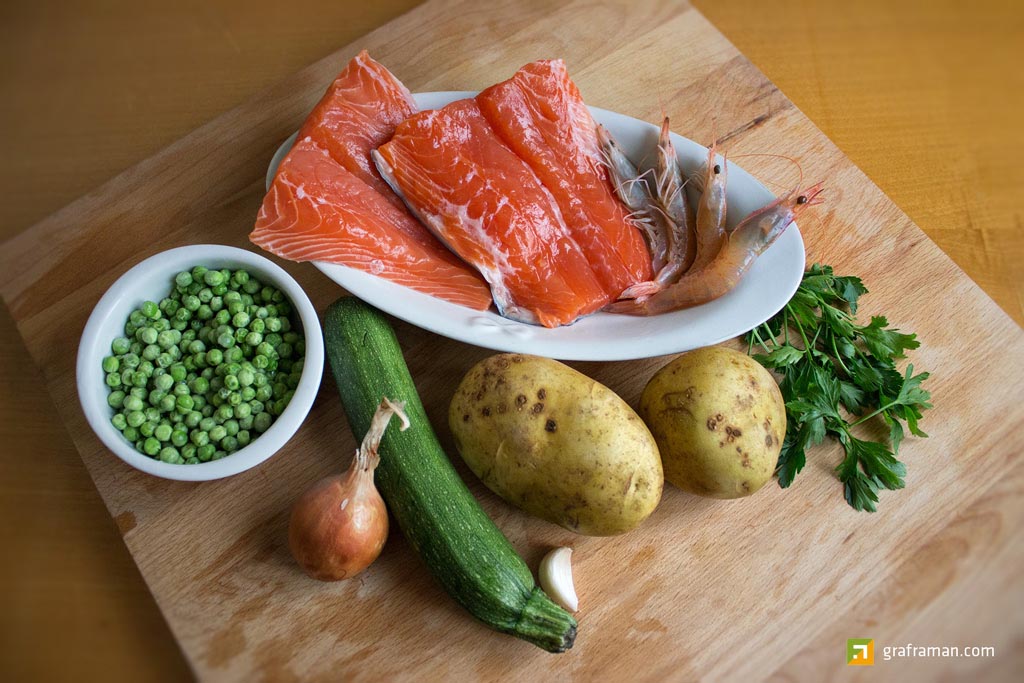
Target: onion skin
{"type": "Point", "coordinates": [332, 543]}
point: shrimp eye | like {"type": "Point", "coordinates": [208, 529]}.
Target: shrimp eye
{"type": "Point", "coordinates": [801, 199]}
{"type": "Point", "coordinates": [717, 169]}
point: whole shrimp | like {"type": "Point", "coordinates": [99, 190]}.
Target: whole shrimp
{"type": "Point", "coordinates": [670, 193]}
{"type": "Point", "coordinates": [740, 249]}
{"type": "Point", "coordinates": [634, 193]}
{"type": "Point", "coordinates": [669, 183]}
{"type": "Point", "coordinates": [711, 211]}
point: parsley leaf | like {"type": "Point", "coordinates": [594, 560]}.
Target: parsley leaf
{"type": "Point", "coordinates": [831, 368]}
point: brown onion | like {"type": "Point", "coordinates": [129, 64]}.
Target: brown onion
{"type": "Point", "coordinates": [339, 526]}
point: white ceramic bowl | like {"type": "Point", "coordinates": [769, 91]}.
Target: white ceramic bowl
{"type": "Point", "coordinates": [151, 280]}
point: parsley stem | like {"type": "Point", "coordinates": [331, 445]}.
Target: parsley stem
{"type": "Point", "coordinates": [759, 340]}
{"type": "Point", "coordinates": [839, 359]}
{"type": "Point", "coordinates": [800, 329]}
{"type": "Point", "coordinates": [877, 412]}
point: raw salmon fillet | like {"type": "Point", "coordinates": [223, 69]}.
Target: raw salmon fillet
{"type": "Point", "coordinates": [316, 210]}
{"type": "Point", "coordinates": [488, 206]}
{"type": "Point", "coordinates": [358, 113]}
{"type": "Point", "coordinates": [540, 115]}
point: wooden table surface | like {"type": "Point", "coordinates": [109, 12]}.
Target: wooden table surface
{"type": "Point", "coordinates": [925, 97]}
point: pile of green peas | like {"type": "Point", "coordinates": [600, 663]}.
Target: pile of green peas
{"type": "Point", "coordinates": [205, 371]}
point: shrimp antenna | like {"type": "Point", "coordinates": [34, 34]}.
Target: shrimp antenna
{"type": "Point", "coordinates": [791, 160]}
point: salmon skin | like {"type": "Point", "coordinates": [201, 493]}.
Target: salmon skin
{"type": "Point", "coordinates": [316, 210]}
{"type": "Point", "coordinates": [490, 208]}
{"type": "Point", "coordinates": [358, 113]}
{"type": "Point", "coordinates": [540, 114]}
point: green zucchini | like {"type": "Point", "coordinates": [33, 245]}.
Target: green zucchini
{"type": "Point", "coordinates": [446, 526]}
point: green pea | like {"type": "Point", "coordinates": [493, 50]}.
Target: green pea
{"type": "Point", "coordinates": [180, 389]}
{"type": "Point", "coordinates": [120, 346]}
{"type": "Point", "coordinates": [131, 433]}
{"type": "Point", "coordinates": [198, 402]}
{"type": "Point", "coordinates": [225, 412]}
{"type": "Point", "coordinates": [178, 372]}
{"type": "Point", "coordinates": [185, 403]}
{"type": "Point", "coordinates": [261, 362]}
{"type": "Point", "coordinates": [218, 433]}
{"type": "Point", "coordinates": [154, 397]}
{"type": "Point", "coordinates": [251, 286]}
{"type": "Point", "coordinates": [167, 403]}
{"type": "Point", "coordinates": [217, 303]}
{"type": "Point", "coordinates": [273, 324]}
{"type": "Point", "coordinates": [136, 348]}
{"type": "Point", "coordinates": [165, 339]}
{"type": "Point", "coordinates": [164, 360]}
{"type": "Point", "coordinates": [198, 272]}
{"type": "Point", "coordinates": [243, 438]}
{"type": "Point", "coordinates": [226, 340]}
{"type": "Point", "coordinates": [169, 307]}
{"type": "Point", "coordinates": [110, 364]}
{"type": "Point", "coordinates": [147, 335]}
{"type": "Point", "coordinates": [152, 414]}
{"type": "Point", "coordinates": [146, 429]}
{"type": "Point", "coordinates": [231, 382]}
{"type": "Point", "coordinates": [214, 357]}
{"type": "Point", "coordinates": [220, 290]}
{"type": "Point", "coordinates": [213, 278]}
{"type": "Point", "coordinates": [192, 419]}
{"type": "Point", "coordinates": [222, 317]}
{"type": "Point", "coordinates": [245, 424]}
{"type": "Point", "coordinates": [167, 454]}
{"type": "Point", "coordinates": [199, 438]}
{"type": "Point", "coordinates": [115, 399]}
{"type": "Point", "coordinates": [284, 350]}
{"type": "Point", "coordinates": [119, 421]}
{"type": "Point", "coordinates": [240, 278]}
{"type": "Point", "coordinates": [130, 360]}
{"type": "Point", "coordinates": [163, 432]}
{"type": "Point", "coordinates": [113, 380]}
{"type": "Point", "coordinates": [133, 403]}
{"type": "Point", "coordinates": [240, 334]}
{"type": "Point", "coordinates": [233, 355]}
{"type": "Point", "coordinates": [218, 455]}
{"type": "Point", "coordinates": [183, 279]}
{"type": "Point", "coordinates": [261, 422]}
{"type": "Point", "coordinates": [150, 310]}
{"type": "Point", "coordinates": [188, 451]}
{"type": "Point", "coordinates": [150, 352]}
{"type": "Point", "coordinates": [205, 452]}
{"type": "Point", "coordinates": [253, 338]}
{"type": "Point", "coordinates": [207, 423]}
{"type": "Point", "coordinates": [242, 410]}
{"type": "Point", "coordinates": [207, 411]}
{"type": "Point", "coordinates": [160, 324]}
{"type": "Point", "coordinates": [192, 461]}
{"type": "Point", "coordinates": [179, 437]}
{"type": "Point", "coordinates": [247, 393]}
{"type": "Point", "coordinates": [234, 307]}
{"type": "Point", "coordinates": [199, 385]}
{"type": "Point", "coordinates": [232, 427]}
{"type": "Point", "coordinates": [229, 444]}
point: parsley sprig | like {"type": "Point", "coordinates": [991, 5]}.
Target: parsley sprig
{"type": "Point", "coordinates": [836, 375]}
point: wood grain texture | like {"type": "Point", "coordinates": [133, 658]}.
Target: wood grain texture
{"type": "Point", "coordinates": [926, 556]}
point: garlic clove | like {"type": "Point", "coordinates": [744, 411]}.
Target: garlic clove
{"type": "Point", "coordinates": [556, 578]}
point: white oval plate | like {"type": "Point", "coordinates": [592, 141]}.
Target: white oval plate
{"type": "Point", "coordinates": [762, 293]}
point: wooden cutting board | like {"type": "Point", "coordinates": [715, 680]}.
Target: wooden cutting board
{"type": "Point", "coordinates": [770, 586]}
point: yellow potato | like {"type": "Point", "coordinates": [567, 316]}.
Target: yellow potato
{"type": "Point", "coordinates": [719, 420]}
{"type": "Point", "coordinates": [556, 444]}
